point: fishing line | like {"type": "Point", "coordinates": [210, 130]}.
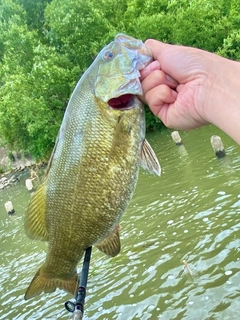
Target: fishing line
{"type": "Point", "coordinates": [77, 308]}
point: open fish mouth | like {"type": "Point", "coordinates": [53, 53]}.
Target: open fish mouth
{"type": "Point", "coordinates": [124, 101]}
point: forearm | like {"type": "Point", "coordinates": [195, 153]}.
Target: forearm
{"type": "Point", "coordinates": [223, 102]}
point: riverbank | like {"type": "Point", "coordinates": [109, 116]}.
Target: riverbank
{"type": "Point", "coordinates": [14, 161]}
{"type": "Point", "coordinates": [13, 165]}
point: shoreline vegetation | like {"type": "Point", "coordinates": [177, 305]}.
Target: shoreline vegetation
{"type": "Point", "coordinates": [13, 161]}
{"type": "Point", "coordinates": [13, 165]}
{"type": "Point", "coordinates": [46, 45]}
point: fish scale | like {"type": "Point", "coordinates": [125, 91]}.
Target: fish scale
{"type": "Point", "coordinates": [94, 166]}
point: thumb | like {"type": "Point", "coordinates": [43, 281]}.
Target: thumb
{"type": "Point", "coordinates": [157, 48]}
{"type": "Point", "coordinates": [173, 59]}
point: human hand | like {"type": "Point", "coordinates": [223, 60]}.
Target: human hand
{"type": "Point", "coordinates": [182, 84]}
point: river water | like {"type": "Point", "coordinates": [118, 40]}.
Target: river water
{"type": "Point", "coordinates": [191, 213]}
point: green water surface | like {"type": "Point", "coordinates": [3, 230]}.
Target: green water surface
{"type": "Point", "coordinates": [192, 213]}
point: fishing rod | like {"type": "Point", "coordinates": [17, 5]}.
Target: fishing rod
{"type": "Point", "coordinates": [77, 308]}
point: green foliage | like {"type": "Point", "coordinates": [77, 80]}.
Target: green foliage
{"type": "Point", "coordinates": [46, 45]}
{"type": "Point", "coordinates": [231, 46]}
{"type": "Point", "coordinates": [10, 14]}
{"type": "Point", "coordinates": [33, 103]}
{"type": "Point", "coordinates": [78, 29]}
{"type": "Point", "coordinates": [152, 122]}
{"type": "Point", "coordinates": [11, 156]}
{"type": "Point", "coordinates": [200, 23]}
{"type": "Point", "coordinates": [34, 13]}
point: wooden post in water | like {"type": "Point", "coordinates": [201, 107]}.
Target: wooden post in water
{"type": "Point", "coordinates": [29, 185]}
{"type": "Point", "coordinates": [218, 147]}
{"type": "Point", "coordinates": [176, 138]}
{"type": "Point", "coordinates": [33, 175]}
{"type": "Point", "coordinates": [9, 208]}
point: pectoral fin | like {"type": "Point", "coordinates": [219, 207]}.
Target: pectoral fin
{"type": "Point", "coordinates": [148, 160]}
{"type": "Point", "coordinates": [111, 244]}
{"type": "Point", "coordinates": [34, 223]}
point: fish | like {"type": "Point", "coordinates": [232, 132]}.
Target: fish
{"type": "Point", "coordinates": [94, 166]}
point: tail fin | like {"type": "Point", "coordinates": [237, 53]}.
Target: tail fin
{"type": "Point", "coordinates": [40, 283]}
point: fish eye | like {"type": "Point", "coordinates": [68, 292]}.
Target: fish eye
{"type": "Point", "coordinates": [109, 55]}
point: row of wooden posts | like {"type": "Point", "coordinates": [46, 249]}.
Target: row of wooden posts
{"type": "Point", "coordinates": [9, 206]}
{"type": "Point", "coordinates": [215, 141]}
{"type": "Point", "coordinates": [30, 187]}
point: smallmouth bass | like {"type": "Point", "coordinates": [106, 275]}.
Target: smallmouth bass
{"type": "Point", "coordinates": [94, 166]}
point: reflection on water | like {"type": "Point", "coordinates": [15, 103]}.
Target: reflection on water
{"type": "Point", "coordinates": [191, 213]}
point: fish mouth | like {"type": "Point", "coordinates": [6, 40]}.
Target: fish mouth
{"type": "Point", "coordinates": [121, 102]}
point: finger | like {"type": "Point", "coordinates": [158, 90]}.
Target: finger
{"type": "Point", "coordinates": [181, 63]}
{"type": "Point", "coordinates": [155, 65]}
{"type": "Point", "coordinates": [156, 47]}
{"type": "Point", "coordinates": [156, 78]}
{"type": "Point", "coordinates": [158, 97]}
{"type": "Point", "coordinates": [172, 58]}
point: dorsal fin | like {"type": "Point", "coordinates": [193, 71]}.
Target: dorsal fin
{"type": "Point", "coordinates": [148, 160]}
{"type": "Point", "coordinates": [111, 244]}
{"type": "Point", "coordinates": [34, 224]}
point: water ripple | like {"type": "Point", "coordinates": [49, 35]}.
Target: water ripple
{"type": "Point", "coordinates": [191, 213]}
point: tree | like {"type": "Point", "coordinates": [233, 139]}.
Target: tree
{"type": "Point", "coordinates": [46, 45]}
{"type": "Point", "coordinates": [78, 29]}
{"type": "Point", "coordinates": [35, 84]}
{"type": "Point", "coordinates": [35, 13]}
